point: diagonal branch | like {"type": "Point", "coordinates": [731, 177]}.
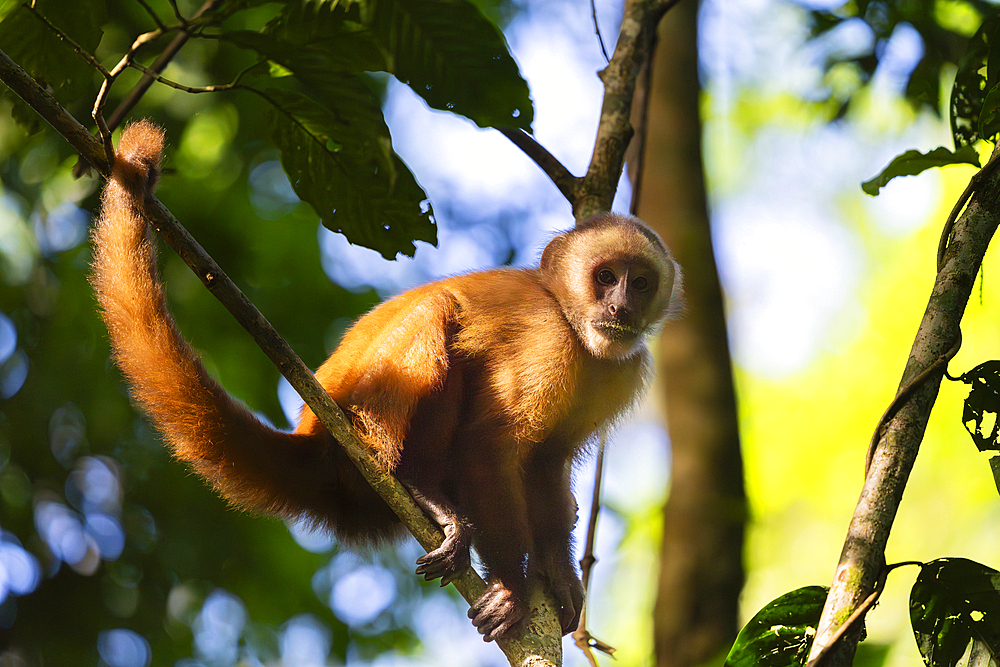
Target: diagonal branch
{"type": "Point", "coordinates": [863, 554]}
{"type": "Point", "coordinates": [567, 183]}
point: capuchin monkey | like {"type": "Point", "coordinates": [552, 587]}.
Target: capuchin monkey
{"type": "Point", "coordinates": [478, 392]}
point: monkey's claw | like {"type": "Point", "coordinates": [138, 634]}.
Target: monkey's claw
{"type": "Point", "coordinates": [497, 612]}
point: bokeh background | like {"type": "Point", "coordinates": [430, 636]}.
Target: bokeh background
{"type": "Point", "coordinates": [111, 554]}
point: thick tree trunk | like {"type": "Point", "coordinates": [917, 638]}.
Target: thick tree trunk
{"type": "Point", "coordinates": [701, 571]}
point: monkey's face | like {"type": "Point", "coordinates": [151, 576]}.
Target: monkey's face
{"type": "Point", "coordinates": [623, 292]}
{"type": "Point", "coordinates": [614, 280]}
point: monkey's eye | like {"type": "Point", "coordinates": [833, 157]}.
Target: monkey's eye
{"type": "Point", "coordinates": [606, 277]}
{"type": "Point", "coordinates": [640, 284]}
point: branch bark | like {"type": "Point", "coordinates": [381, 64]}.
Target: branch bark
{"type": "Point", "coordinates": [595, 191]}
{"type": "Point", "coordinates": [541, 643]}
{"type": "Point", "coordinates": [597, 188]}
{"type": "Point", "coordinates": [863, 554]}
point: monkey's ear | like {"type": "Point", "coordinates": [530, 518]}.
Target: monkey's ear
{"type": "Point", "coordinates": [677, 303]}
{"type": "Point", "coordinates": [553, 250]}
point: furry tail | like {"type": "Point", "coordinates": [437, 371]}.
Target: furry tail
{"type": "Point", "coordinates": [253, 465]}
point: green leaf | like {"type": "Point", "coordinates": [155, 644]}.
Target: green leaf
{"type": "Point", "coordinates": [924, 86]}
{"type": "Point", "coordinates": [913, 162]}
{"type": "Point", "coordinates": [780, 634]}
{"type": "Point", "coordinates": [51, 61]}
{"type": "Point", "coordinates": [983, 400]}
{"type": "Point", "coordinates": [315, 37]}
{"type": "Point", "coordinates": [989, 116]}
{"type": "Point", "coordinates": [953, 603]}
{"type": "Point", "coordinates": [977, 72]}
{"type": "Point", "coordinates": [995, 469]}
{"type": "Point", "coordinates": [454, 57]}
{"type": "Point", "coordinates": [337, 153]}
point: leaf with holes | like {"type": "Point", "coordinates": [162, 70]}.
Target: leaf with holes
{"type": "Point", "coordinates": [982, 407]}
{"type": "Point", "coordinates": [955, 602]}
{"type": "Point", "coordinates": [913, 162]}
{"type": "Point", "coordinates": [454, 57]}
{"type": "Point", "coordinates": [337, 153]}
{"type": "Point", "coordinates": [780, 634]}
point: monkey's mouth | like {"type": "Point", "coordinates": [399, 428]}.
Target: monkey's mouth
{"type": "Point", "coordinates": [617, 330]}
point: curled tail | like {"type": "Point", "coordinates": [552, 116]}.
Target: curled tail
{"type": "Point", "coordinates": [253, 465]}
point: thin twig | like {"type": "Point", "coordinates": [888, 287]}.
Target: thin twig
{"type": "Point", "coordinates": [152, 15]}
{"type": "Point", "coordinates": [109, 78]}
{"type": "Point", "coordinates": [904, 393]}
{"type": "Point", "coordinates": [597, 29]}
{"type": "Point", "coordinates": [636, 155]}
{"type": "Point", "coordinates": [80, 51]}
{"type": "Point", "coordinates": [581, 636]}
{"type": "Point", "coordinates": [959, 206]}
{"type": "Point", "coordinates": [234, 85]}
{"type": "Point", "coordinates": [158, 65]}
{"type": "Point", "coordinates": [553, 168]}
{"type": "Point", "coordinates": [177, 12]}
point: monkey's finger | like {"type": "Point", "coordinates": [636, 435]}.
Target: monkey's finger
{"type": "Point", "coordinates": [432, 571]}
{"type": "Point", "coordinates": [451, 576]}
{"type": "Point", "coordinates": [502, 629]}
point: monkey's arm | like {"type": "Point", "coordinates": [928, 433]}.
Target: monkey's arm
{"type": "Point", "coordinates": [251, 464]}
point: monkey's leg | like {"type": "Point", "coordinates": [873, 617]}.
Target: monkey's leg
{"type": "Point", "coordinates": [552, 515]}
{"type": "Point", "coordinates": [452, 557]}
{"type": "Point", "coordinates": [493, 495]}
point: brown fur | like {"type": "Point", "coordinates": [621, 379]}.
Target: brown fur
{"type": "Point", "coordinates": [477, 391]}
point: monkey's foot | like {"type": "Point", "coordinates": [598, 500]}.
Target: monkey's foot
{"type": "Point", "coordinates": [561, 580]}
{"type": "Point", "coordinates": [569, 596]}
{"type": "Point", "coordinates": [496, 612]}
{"type": "Point", "coordinates": [449, 559]}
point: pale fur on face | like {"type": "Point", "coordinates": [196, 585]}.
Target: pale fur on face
{"type": "Point", "coordinates": [567, 270]}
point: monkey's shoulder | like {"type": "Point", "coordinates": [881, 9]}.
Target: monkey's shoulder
{"type": "Point", "coordinates": [507, 308]}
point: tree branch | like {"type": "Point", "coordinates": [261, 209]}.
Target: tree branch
{"type": "Point", "coordinates": [536, 647]}
{"type": "Point", "coordinates": [567, 183]}
{"type": "Point", "coordinates": [54, 114]}
{"type": "Point", "coordinates": [863, 554]}
{"type": "Point", "coordinates": [597, 190]}
{"type": "Point", "coordinates": [134, 95]}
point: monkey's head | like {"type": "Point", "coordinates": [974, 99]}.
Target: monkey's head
{"type": "Point", "coordinates": [614, 279]}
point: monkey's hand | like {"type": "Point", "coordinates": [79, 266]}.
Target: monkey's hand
{"type": "Point", "coordinates": [452, 557]}
{"type": "Point", "coordinates": [496, 612]}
